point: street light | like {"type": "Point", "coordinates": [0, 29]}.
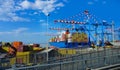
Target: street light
{"type": "Point", "coordinates": [113, 32]}
{"type": "Point", "coordinates": [47, 41]}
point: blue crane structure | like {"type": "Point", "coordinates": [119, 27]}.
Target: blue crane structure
{"type": "Point", "coordinates": [87, 23]}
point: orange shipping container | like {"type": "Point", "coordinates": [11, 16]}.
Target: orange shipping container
{"type": "Point", "coordinates": [63, 37]}
{"type": "Point", "coordinates": [17, 44]}
{"type": "Point", "coordinates": [10, 50]}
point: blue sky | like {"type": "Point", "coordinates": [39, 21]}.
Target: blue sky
{"type": "Point", "coordinates": [25, 20]}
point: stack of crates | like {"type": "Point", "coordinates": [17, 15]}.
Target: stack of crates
{"type": "Point", "coordinates": [76, 37]}
{"type": "Point", "coordinates": [79, 37]}
{"type": "Point", "coordinates": [84, 37]}
{"type": "Point", "coordinates": [21, 57]}
{"type": "Point", "coordinates": [67, 51]}
{"type": "Point", "coordinates": [18, 45]}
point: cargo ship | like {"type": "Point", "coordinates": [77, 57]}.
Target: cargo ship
{"type": "Point", "coordinates": [66, 39]}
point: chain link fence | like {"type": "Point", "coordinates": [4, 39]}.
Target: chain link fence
{"type": "Point", "coordinates": [91, 60]}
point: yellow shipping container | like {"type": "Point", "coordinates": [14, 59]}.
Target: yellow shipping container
{"type": "Point", "coordinates": [21, 57]}
{"type": "Point", "coordinates": [79, 40]}
{"type": "Point", "coordinates": [37, 48]}
{"type": "Point", "coordinates": [71, 51]}
{"type": "Point", "coordinates": [12, 61]}
{"type": "Point", "coordinates": [67, 51]}
{"type": "Point", "coordinates": [62, 51]}
{"type": "Point", "coordinates": [6, 48]}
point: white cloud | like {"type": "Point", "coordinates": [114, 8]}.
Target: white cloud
{"type": "Point", "coordinates": [96, 0]}
{"type": "Point", "coordinates": [42, 20]}
{"type": "Point", "coordinates": [35, 13]}
{"type": "Point", "coordinates": [20, 30]}
{"type": "Point", "coordinates": [43, 5]}
{"type": "Point", "coordinates": [4, 33]}
{"type": "Point", "coordinates": [7, 11]}
{"type": "Point", "coordinates": [90, 3]}
{"type": "Point", "coordinates": [8, 8]}
{"type": "Point", "coordinates": [17, 8]}
{"type": "Point", "coordinates": [15, 32]}
{"type": "Point", "coordinates": [21, 33]}
{"type": "Point", "coordinates": [65, 0]}
{"type": "Point", "coordinates": [25, 4]}
{"type": "Point", "coordinates": [23, 13]}
{"type": "Point", "coordinates": [35, 33]}
{"type": "Point", "coordinates": [104, 2]}
{"type": "Point", "coordinates": [44, 24]}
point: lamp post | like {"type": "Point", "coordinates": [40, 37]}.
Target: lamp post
{"type": "Point", "coordinates": [113, 31]}
{"type": "Point", "coordinates": [47, 41]}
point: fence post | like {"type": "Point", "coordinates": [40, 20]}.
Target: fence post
{"type": "Point", "coordinates": [83, 62]}
{"type": "Point", "coordinates": [104, 58]}
{"type": "Point", "coordinates": [35, 58]}
{"type": "Point", "coordinates": [60, 64]}
{"type": "Point", "coordinates": [14, 67]}
{"type": "Point", "coordinates": [72, 63]}
{"type": "Point", "coordinates": [86, 64]}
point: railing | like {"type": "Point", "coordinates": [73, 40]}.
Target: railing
{"type": "Point", "coordinates": [79, 62]}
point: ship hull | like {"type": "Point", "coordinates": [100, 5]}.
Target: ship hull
{"type": "Point", "coordinates": [68, 45]}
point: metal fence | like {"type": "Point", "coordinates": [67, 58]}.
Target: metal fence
{"type": "Point", "coordinates": [79, 62]}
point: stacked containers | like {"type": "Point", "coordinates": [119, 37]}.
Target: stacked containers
{"type": "Point", "coordinates": [76, 37]}
{"type": "Point", "coordinates": [36, 45]}
{"type": "Point", "coordinates": [52, 39]}
{"type": "Point", "coordinates": [18, 45]}
{"type": "Point", "coordinates": [84, 37]}
{"type": "Point", "coordinates": [79, 37]}
{"type": "Point", "coordinates": [57, 38]}
{"type": "Point", "coordinates": [73, 37]}
{"type": "Point", "coordinates": [69, 38]}
{"type": "Point", "coordinates": [60, 37]}
{"type": "Point", "coordinates": [63, 37]}
{"type": "Point", "coordinates": [67, 32]}
{"type": "Point", "coordinates": [10, 50]}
